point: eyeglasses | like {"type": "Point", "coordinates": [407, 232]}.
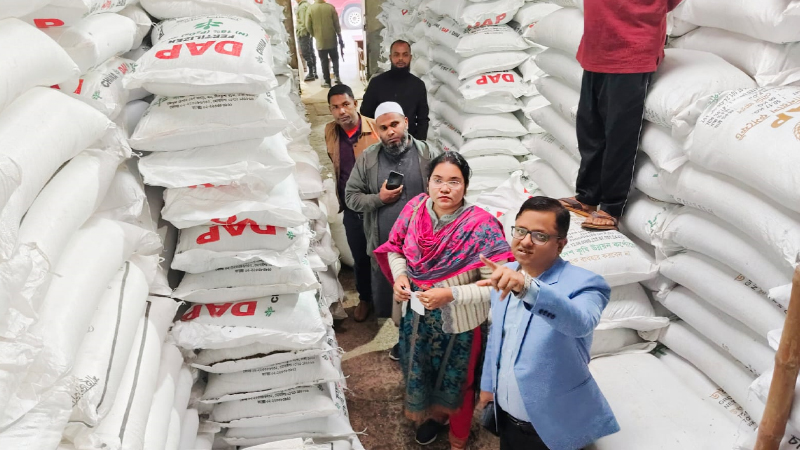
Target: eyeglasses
{"type": "Point", "coordinates": [537, 237]}
{"type": "Point", "coordinates": [453, 184]}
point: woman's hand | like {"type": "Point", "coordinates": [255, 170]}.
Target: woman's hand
{"type": "Point", "coordinates": [402, 289]}
{"type": "Point", "coordinates": [503, 280]}
{"type": "Point", "coordinates": [435, 298]}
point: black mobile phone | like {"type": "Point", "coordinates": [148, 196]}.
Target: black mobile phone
{"type": "Point", "coordinates": [394, 181]}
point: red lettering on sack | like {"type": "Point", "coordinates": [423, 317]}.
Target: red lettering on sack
{"type": "Point", "coordinates": [48, 23]}
{"type": "Point", "coordinates": [268, 229]}
{"type": "Point", "coordinates": [197, 49]}
{"type": "Point", "coordinates": [219, 309]}
{"type": "Point", "coordinates": [193, 313]}
{"type": "Point", "coordinates": [244, 309]}
{"type": "Point", "coordinates": [500, 18]}
{"type": "Point", "coordinates": [123, 69]}
{"type": "Point", "coordinates": [508, 77]}
{"type": "Point", "coordinates": [404, 11]}
{"type": "Point", "coordinates": [169, 54]}
{"type": "Point", "coordinates": [482, 80]}
{"type": "Point", "coordinates": [80, 87]}
{"type": "Point", "coordinates": [211, 236]}
{"type": "Point", "coordinates": [203, 185]}
{"type": "Point", "coordinates": [235, 50]}
{"type": "Point", "coordinates": [236, 229]}
{"type": "Point", "coordinates": [230, 220]}
{"type": "Point", "coordinates": [495, 78]}
{"type": "Point", "coordinates": [260, 2]}
{"type": "Point", "coordinates": [445, 30]}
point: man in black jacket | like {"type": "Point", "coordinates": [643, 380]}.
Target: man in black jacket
{"type": "Point", "coordinates": [400, 86]}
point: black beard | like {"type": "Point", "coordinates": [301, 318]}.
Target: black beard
{"type": "Point", "coordinates": [400, 147]}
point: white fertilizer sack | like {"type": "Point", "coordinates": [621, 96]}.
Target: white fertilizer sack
{"type": "Point", "coordinates": [564, 162]}
{"type": "Point", "coordinates": [206, 55]}
{"type": "Point", "coordinates": [664, 151]}
{"type": "Point", "coordinates": [249, 383]}
{"type": "Point", "coordinates": [726, 289]}
{"type": "Point", "coordinates": [97, 38]}
{"type": "Point", "coordinates": [205, 248]}
{"type": "Point", "coordinates": [736, 124]}
{"type": "Point", "coordinates": [490, 39]}
{"type": "Point", "coordinates": [768, 63]}
{"type": "Point", "coordinates": [29, 59]}
{"type": "Point", "coordinates": [557, 125]}
{"type": "Point", "coordinates": [253, 356]}
{"type": "Point", "coordinates": [245, 281]}
{"type": "Point", "coordinates": [101, 87]}
{"type": "Point", "coordinates": [171, 9]}
{"type": "Point", "coordinates": [692, 229]}
{"type": "Point", "coordinates": [266, 160]}
{"type": "Point", "coordinates": [632, 384]}
{"type": "Point", "coordinates": [683, 78]}
{"type": "Point", "coordinates": [104, 351]}
{"type": "Point", "coordinates": [728, 333]}
{"type": "Point", "coordinates": [188, 207]}
{"type": "Point", "coordinates": [289, 322]}
{"type": "Point", "coordinates": [629, 307]}
{"type": "Point", "coordinates": [618, 341]}
{"type": "Point", "coordinates": [609, 254]}
{"type": "Point", "coordinates": [562, 30]}
{"type": "Point", "coordinates": [769, 20]}
{"type": "Point", "coordinates": [775, 228]}
{"type": "Point", "coordinates": [331, 427]}
{"type": "Point", "coordinates": [180, 123]}
{"type": "Point", "coordinates": [561, 65]}
{"type": "Point", "coordinates": [40, 131]}
{"type": "Point", "coordinates": [279, 408]}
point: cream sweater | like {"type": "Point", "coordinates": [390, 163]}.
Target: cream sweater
{"type": "Point", "coordinates": [470, 305]}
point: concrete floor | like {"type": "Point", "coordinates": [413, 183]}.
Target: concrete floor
{"type": "Point", "coordinates": [375, 396]}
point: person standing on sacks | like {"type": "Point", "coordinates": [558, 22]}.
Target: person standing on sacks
{"type": "Point", "coordinates": [544, 311]}
{"type": "Point", "coordinates": [433, 258]}
{"type": "Point", "coordinates": [401, 86]}
{"type": "Point", "coordinates": [346, 138]}
{"type": "Point", "coordinates": [367, 192]}
{"type": "Point", "coordinates": [622, 45]}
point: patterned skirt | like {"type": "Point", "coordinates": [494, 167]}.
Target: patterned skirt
{"type": "Point", "coordinates": [435, 365]}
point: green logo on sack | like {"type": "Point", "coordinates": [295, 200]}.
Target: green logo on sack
{"type": "Point", "coordinates": [269, 312]}
{"type": "Point", "coordinates": [207, 25]}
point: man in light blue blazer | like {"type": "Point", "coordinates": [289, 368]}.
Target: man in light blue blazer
{"type": "Point", "coordinates": [544, 311]}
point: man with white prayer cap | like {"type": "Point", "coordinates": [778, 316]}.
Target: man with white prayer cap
{"type": "Point", "coordinates": [367, 192]}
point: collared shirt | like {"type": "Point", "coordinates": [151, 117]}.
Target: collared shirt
{"type": "Point", "coordinates": [441, 222]}
{"type": "Point", "coordinates": [347, 157]}
{"type": "Point", "coordinates": [508, 395]}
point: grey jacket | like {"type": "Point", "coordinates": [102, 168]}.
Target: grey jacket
{"type": "Point", "coordinates": [363, 187]}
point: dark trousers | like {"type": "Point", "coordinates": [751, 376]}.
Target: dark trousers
{"type": "Point", "coordinates": [325, 58]}
{"type": "Point", "coordinates": [382, 294]}
{"type": "Point", "coordinates": [515, 435]}
{"type": "Point", "coordinates": [609, 123]}
{"type": "Point", "coordinates": [307, 49]}
{"type": "Point", "coordinates": [357, 240]}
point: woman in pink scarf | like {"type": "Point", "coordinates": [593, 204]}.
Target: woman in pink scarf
{"type": "Point", "coordinates": [434, 251]}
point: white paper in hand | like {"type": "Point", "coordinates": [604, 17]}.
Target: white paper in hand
{"type": "Point", "coordinates": [416, 304]}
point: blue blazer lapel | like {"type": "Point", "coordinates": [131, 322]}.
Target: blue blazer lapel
{"type": "Point", "coordinates": [550, 276]}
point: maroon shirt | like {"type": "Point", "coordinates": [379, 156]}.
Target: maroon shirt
{"type": "Point", "coordinates": [347, 157]}
{"type": "Point", "coordinates": [624, 36]}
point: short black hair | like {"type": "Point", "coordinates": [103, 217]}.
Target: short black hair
{"type": "Point", "coordinates": [340, 89]}
{"type": "Point", "coordinates": [454, 158]}
{"type": "Point", "coordinates": [547, 204]}
{"type": "Point", "coordinates": [399, 41]}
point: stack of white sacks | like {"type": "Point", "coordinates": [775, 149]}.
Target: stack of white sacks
{"type": "Point", "coordinates": [84, 316]}
{"type": "Point", "coordinates": [227, 140]}
{"type": "Point", "coordinates": [476, 59]}
{"type": "Point", "coordinates": [722, 225]}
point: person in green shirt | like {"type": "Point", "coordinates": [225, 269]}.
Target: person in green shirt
{"type": "Point", "coordinates": [305, 40]}
{"type": "Point", "coordinates": [322, 22]}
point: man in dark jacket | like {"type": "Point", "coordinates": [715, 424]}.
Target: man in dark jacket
{"type": "Point", "coordinates": [622, 45]}
{"type": "Point", "coordinates": [400, 86]}
{"type": "Point", "coordinates": [366, 193]}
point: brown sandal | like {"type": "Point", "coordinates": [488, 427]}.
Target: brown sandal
{"type": "Point", "coordinates": [605, 216]}
{"type": "Point", "coordinates": [573, 205]}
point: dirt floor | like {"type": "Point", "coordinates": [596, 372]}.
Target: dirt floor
{"type": "Point", "coordinates": [375, 397]}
